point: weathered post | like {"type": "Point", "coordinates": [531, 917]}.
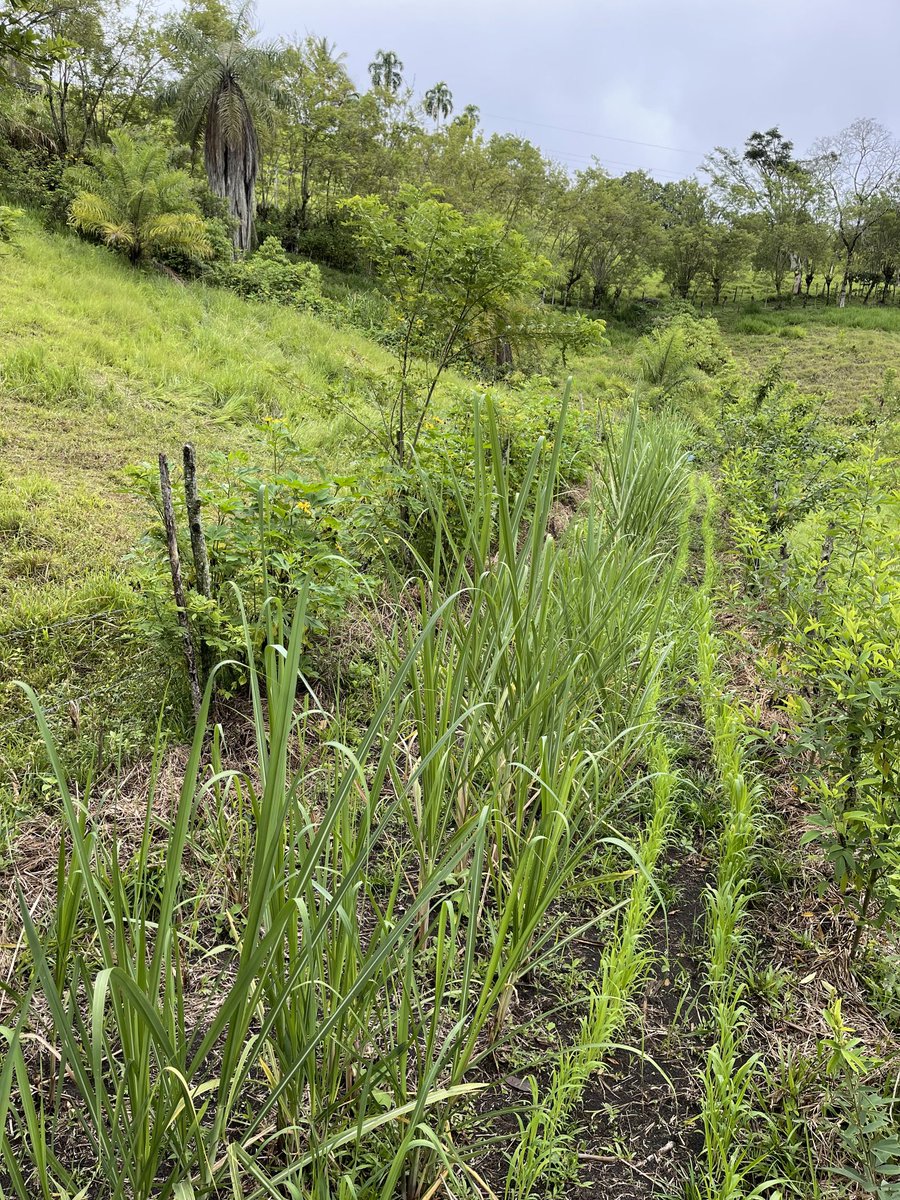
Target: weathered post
{"type": "Point", "coordinates": [195, 525]}
{"type": "Point", "coordinates": [165, 486]}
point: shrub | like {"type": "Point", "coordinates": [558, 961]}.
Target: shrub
{"type": "Point", "coordinates": [269, 274]}
{"type": "Point", "coordinates": [218, 226]}
{"type": "Point", "coordinates": [684, 360]}
{"type": "Point", "coordinates": [446, 452]}
{"type": "Point", "coordinates": [35, 178]}
{"type": "Point", "coordinates": [10, 219]}
{"type": "Point", "coordinates": [133, 202]}
{"type": "Point", "coordinates": [328, 241]}
{"type": "Point", "coordinates": [270, 530]}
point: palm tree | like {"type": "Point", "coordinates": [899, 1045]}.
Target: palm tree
{"type": "Point", "coordinates": [135, 203]}
{"type": "Point", "coordinates": [386, 71]}
{"type": "Point", "coordinates": [439, 102]}
{"type": "Point", "coordinates": [222, 97]}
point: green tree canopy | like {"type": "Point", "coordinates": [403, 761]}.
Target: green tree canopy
{"type": "Point", "coordinates": [451, 285]}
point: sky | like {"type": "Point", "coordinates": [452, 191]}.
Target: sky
{"type": "Point", "coordinates": [638, 83]}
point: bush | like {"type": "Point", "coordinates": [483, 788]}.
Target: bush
{"type": "Point", "coordinates": [131, 200]}
{"type": "Point", "coordinates": [329, 241]}
{"type": "Point", "coordinates": [34, 178]}
{"type": "Point", "coordinates": [270, 531]}
{"type": "Point", "coordinates": [218, 225]}
{"type": "Point", "coordinates": [685, 360]}
{"type": "Point", "coordinates": [446, 454]}
{"type": "Point", "coordinates": [10, 219]}
{"type": "Point", "coordinates": [269, 274]}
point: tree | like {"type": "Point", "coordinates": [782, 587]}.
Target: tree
{"type": "Point", "coordinates": [451, 284]}
{"type": "Point", "coordinates": [226, 91]}
{"type": "Point", "coordinates": [730, 244]}
{"type": "Point", "coordinates": [626, 237]}
{"type": "Point", "coordinates": [386, 71]}
{"type": "Point", "coordinates": [136, 204]}
{"type": "Point", "coordinates": [880, 251]}
{"type": "Point", "coordinates": [25, 41]}
{"type": "Point", "coordinates": [859, 169]}
{"type": "Point", "coordinates": [439, 102]}
{"type": "Point", "coordinates": [767, 182]}
{"type": "Point", "coordinates": [307, 146]}
{"type": "Point", "coordinates": [110, 63]}
{"type": "Point", "coordinates": [687, 246]}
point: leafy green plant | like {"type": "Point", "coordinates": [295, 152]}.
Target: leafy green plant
{"type": "Point", "coordinates": [683, 361]}
{"type": "Point", "coordinates": [854, 733]}
{"type": "Point", "coordinates": [841, 645]}
{"type": "Point", "coordinates": [387, 898]}
{"type": "Point", "coordinates": [10, 219]}
{"type": "Point", "coordinates": [271, 532]}
{"type": "Point", "coordinates": [136, 204]}
{"type": "Point", "coordinates": [868, 1132]}
{"type": "Point", "coordinates": [269, 274]}
{"type": "Point", "coordinates": [455, 288]}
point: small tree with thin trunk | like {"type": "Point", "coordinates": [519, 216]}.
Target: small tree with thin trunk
{"type": "Point", "coordinates": [451, 286]}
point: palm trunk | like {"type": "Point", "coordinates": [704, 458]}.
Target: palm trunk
{"type": "Point", "coordinates": [232, 164]}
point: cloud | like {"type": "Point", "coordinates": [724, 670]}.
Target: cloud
{"type": "Point", "coordinates": [691, 74]}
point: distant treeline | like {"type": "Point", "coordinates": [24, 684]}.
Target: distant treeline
{"type": "Point", "coordinates": [277, 136]}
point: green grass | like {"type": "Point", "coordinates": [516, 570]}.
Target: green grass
{"type": "Point", "coordinates": [838, 353]}
{"type": "Point", "coordinates": [102, 366]}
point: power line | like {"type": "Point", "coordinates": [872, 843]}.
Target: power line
{"type": "Point", "coordinates": [588, 133]}
{"type": "Point", "coordinates": [588, 158]}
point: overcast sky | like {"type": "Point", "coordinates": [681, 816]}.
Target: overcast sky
{"type": "Point", "coordinates": [682, 74]}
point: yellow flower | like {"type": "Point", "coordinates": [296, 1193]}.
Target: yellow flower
{"type": "Point", "coordinates": [304, 507]}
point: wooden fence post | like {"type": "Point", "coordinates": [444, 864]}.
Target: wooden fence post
{"type": "Point", "coordinates": [198, 545]}
{"type": "Point", "coordinates": [165, 486]}
{"type": "Point", "coordinates": [198, 540]}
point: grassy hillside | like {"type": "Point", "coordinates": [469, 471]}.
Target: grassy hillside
{"type": "Point", "coordinates": [841, 354]}
{"type": "Point", "coordinates": [101, 367]}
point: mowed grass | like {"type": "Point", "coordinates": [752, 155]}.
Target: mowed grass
{"type": "Point", "coordinates": [841, 354]}
{"type": "Point", "coordinates": [102, 366]}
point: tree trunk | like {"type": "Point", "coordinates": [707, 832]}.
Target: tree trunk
{"type": "Point", "coordinates": [198, 539]}
{"type": "Point", "coordinates": [165, 486]}
{"type": "Point", "coordinates": [797, 268]}
{"type": "Point", "coordinates": [232, 162]}
{"type": "Point", "coordinates": [571, 279]}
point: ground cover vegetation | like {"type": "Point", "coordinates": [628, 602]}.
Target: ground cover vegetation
{"type": "Point", "coordinates": [450, 641]}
